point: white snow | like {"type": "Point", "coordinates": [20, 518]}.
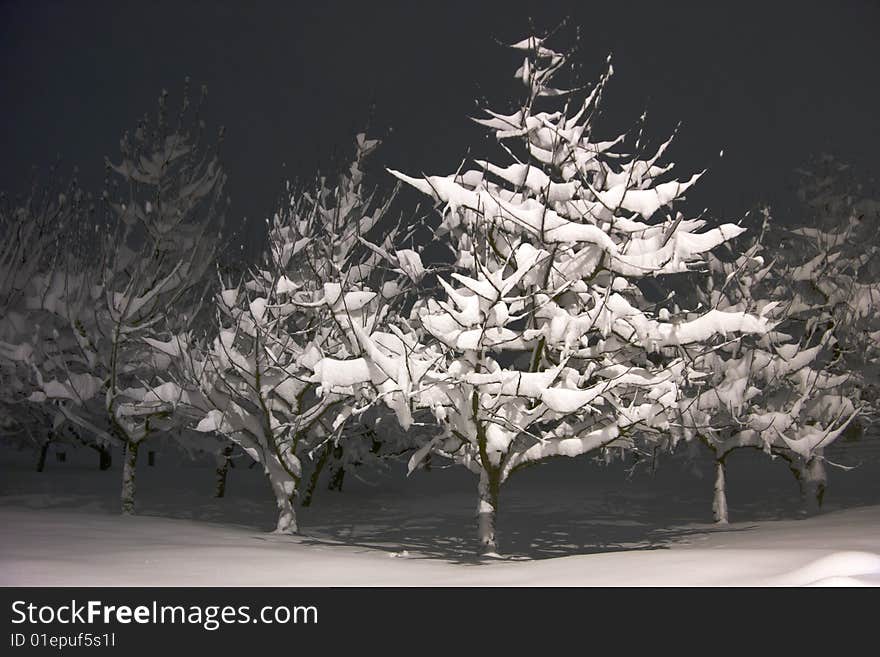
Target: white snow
{"type": "Point", "coordinates": [67, 534]}
{"type": "Point", "coordinates": [58, 548]}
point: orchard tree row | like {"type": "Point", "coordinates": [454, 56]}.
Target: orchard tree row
{"type": "Point", "coordinates": [556, 303]}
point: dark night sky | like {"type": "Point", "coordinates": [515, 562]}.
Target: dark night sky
{"type": "Point", "coordinates": [770, 83]}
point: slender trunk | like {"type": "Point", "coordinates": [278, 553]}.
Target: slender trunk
{"type": "Point", "coordinates": [316, 475]}
{"type": "Point", "coordinates": [336, 480]}
{"type": "Point", "coordinates": [41, 460]}
{"type": "Point", "coordinates": [486, 512]}
{"type": "Point", "coordinates": [811, 483]}
{"type": "Point", "coordinates": [338, 476]}
{"type": "Point", "coordinates": [105, 458]}
{"type": "Point", "coordinates": [129, 467]}
{"type": "Point", "coordinates": [719, 502]}
{"type": "Point", "coordinates": [813, 480]}
{"type": "Point", "coordinates": [223, 461]}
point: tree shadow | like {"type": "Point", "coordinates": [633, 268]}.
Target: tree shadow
{"type": "Point", "coordinates": [436, 542]}
{"type": "Point", "coordinates": [551, 512]}
{"type": "Point", "coordinates": [525, 531]}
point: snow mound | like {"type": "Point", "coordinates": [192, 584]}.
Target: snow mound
{"type": "Point", "coordinates": [839, 569]}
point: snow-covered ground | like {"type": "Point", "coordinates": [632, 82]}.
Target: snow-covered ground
{"type": "Point", "coordinates": [561, 524]}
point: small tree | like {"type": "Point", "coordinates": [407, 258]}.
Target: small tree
{"type": "Point", "coordinates": [311, 290]}
{"type": "Point", "coordinates": [773, 392]}
{"type": "Point", "coordinates": [129, 284]}
{"type": "Point", "coordinates": [835, 272]}
{"type": "Point", "coordinates": [35, 258]}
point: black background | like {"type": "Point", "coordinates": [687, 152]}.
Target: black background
{"type": "Point", "coordinates": [769, 82]}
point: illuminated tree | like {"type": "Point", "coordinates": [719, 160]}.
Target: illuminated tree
{"type": "Point", "coordinates": [541, 343]}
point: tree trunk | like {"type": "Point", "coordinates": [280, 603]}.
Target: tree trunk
{"type": "Point", "coordinates": [486, 512]}
{"type": "Point", "coordinates": [105, 458]}
{"type": "Point", "coordinates": [41, 460]}
{"type": "Point", "coordinates": [813, 482]}
{"type": "Point", "coordinates": [719, 502]}
{"type": "Point", "coordinates": [336, 480]}
{"type": "Point", "coordinates": [316, 475]}
{"type": "Point", "coordinates": [338, 475]}
{"type": "Point", "coordinates": [129, 467]}
{"type": "Point", "coordinates": [223, 461]}
{"type": "Point", "coordinates": [286, 513]}
{"type": "Point", "coordinates": [284, 488]}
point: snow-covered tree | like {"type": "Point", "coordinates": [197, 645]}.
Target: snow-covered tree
{"type": "Point", "coordinates": [773, 392]}
{"type": "Point", "coordinates": [834, 263]}
{"type": "Point", "coordinates": [313, 288]}
{"type": "Point", "coordinates": [540, 343]}
{"type": "Point", "coordinates": [39, 234]}
{"type": "Point", "coordinates": [816, 383]}
{"type": "Point", "coordinates": [129, 284]}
